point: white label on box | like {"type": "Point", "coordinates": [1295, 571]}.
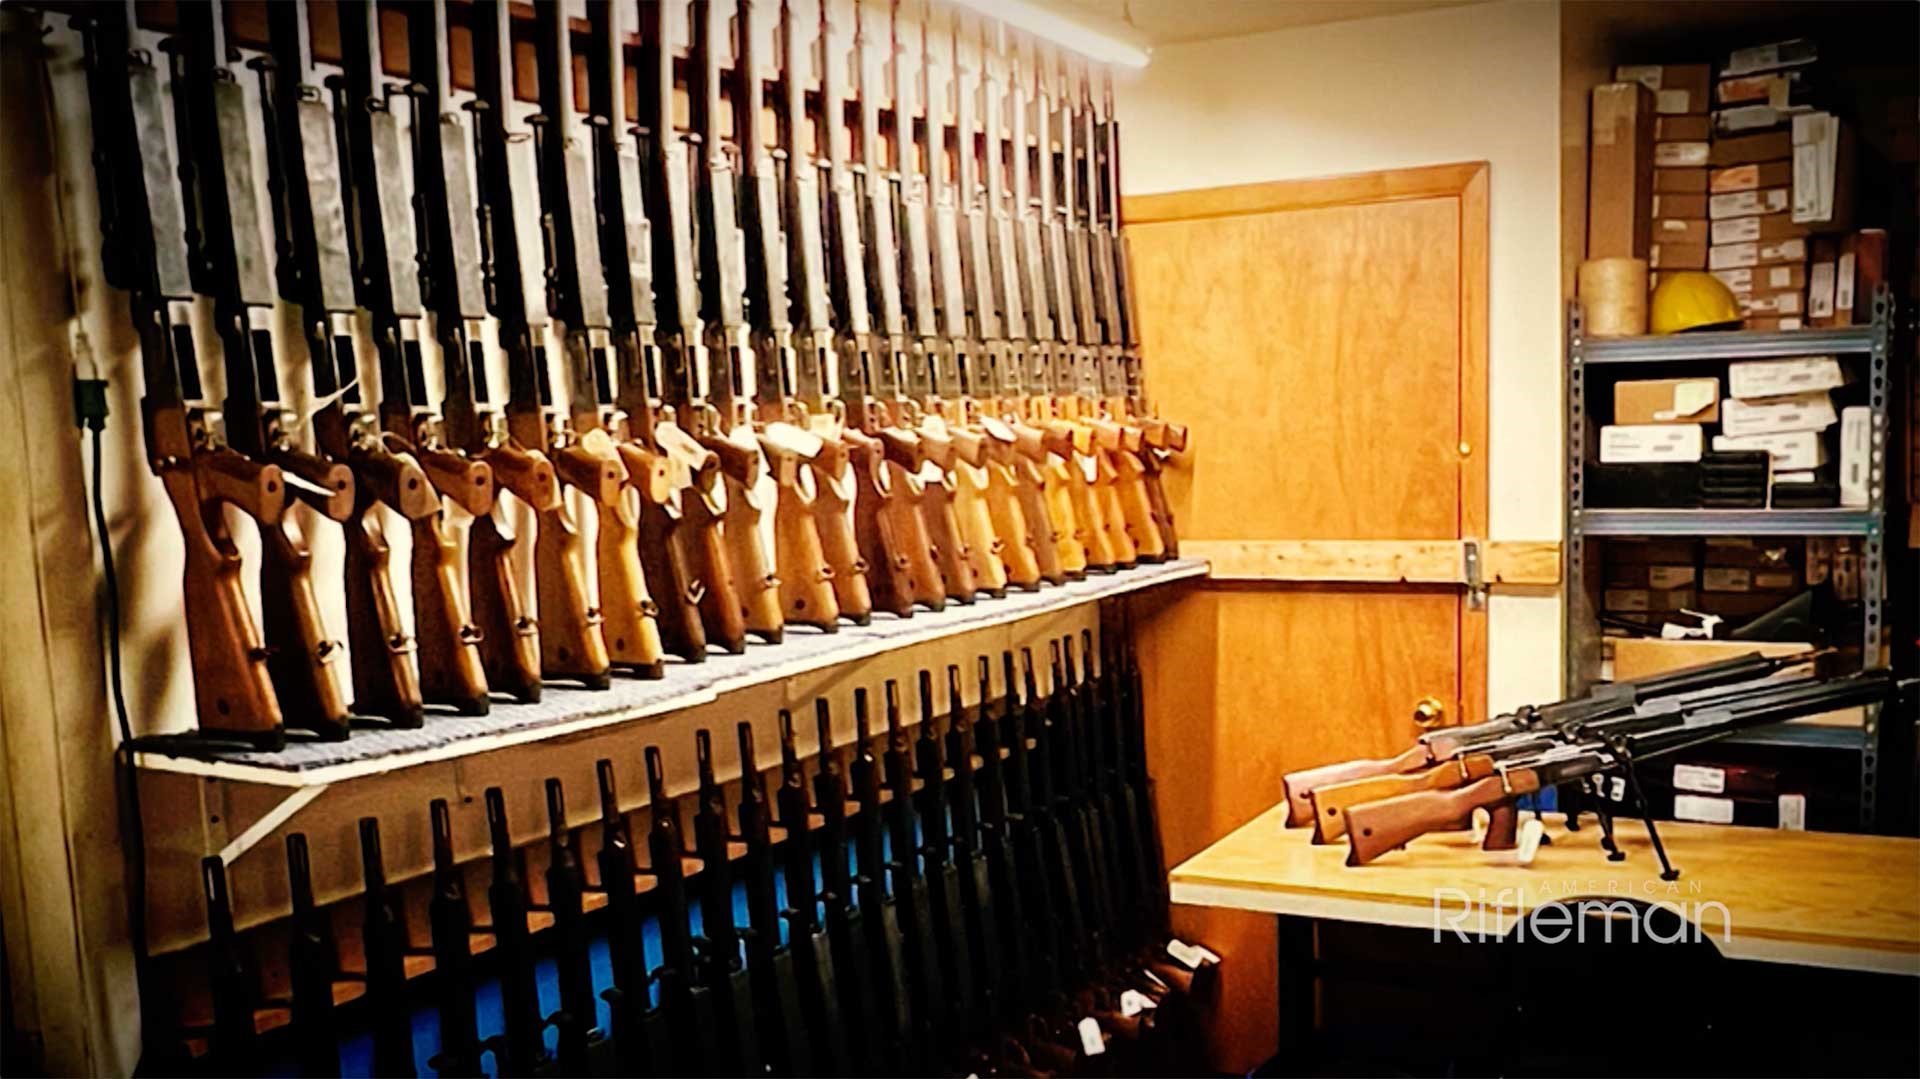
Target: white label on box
{"type": "Point", "coordinates": [1090, 1039]}
{"type": "Point", "coordinates": [1699, 808]}
{"type": "Point", "coordinates": [1675, 102]}
{"type": "Point", "coordinates": [1813, 411]}
{"type": "Point", "coordinates": [1820, 290]}
{"type": "Point", "coordinates": [1729, 256]}
{"type": "Point", "coordinates": [1843, 284]}
{"type": "Point", "coordinates": [1795, 477]}
{"type": "Point", "coordinates": [1856, 444]}
{"type": "Point", "coordinates": [1690, 398]}
{"type": "Point", "coordinates": [1640, 443]}
{"type": "Point", "coordinates": [1793, 812]}
{"type": "Point", "coordinates": [1679, 155]}
{"type": "Point", "coordinates": [1773, 378]}
{"type": "Point", "coordinates": [1736, 230]}
{"type": "Point", "coordinates": [1778, 54]}
{"type": "Point", "coordinates": [1699, 778]}
{"type": "Point", "coordinates": [1789, 452]}
{"type": "Point", "coordinates": [1747, 203]}
{"type": "Point", "coordinates": [1739, 279]}
{"type": "Point", "coordinates": [1771, 303]}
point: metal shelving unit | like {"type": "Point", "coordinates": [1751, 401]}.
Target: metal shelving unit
{"type": "Point", "coordinates": [1582, 629]}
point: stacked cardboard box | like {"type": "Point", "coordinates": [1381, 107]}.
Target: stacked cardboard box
{"type": "Point", "coordinates": [1681, 133]}
{"type": "Point", "coordinates": [1785, 407]}
{"type": "Point", "coordinates": [1757, 248]}
{"type": "Point", "coordinates": [1743, 578]}
{"type": "Point", "coordinates": [1645, 580]}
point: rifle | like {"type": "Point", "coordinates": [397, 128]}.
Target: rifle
{"type": "Point", "coordinates": [1125, 442]}
{"type": "Point", "coordinates": [887, 524]}
{"type": "Point", "coordinates": [838, 1001]}
{"type": "Point", "coordinates": [449, 668]}
{"type": "Point", "coordinates": [313, 242]}
{"type": "Point", "coordinates": [520, 1049]}
{"type": "Point", "coordinates": [777, 1003]}
{"type": "Point", "coordinates": [880, 923]}
{"type": "Point", "coordinates": [1019, 517]}
{"type": "Point", "coordinates": [875, 1006]}
{"type": "Point", "coordinates": [455, 287]}
{"type": "Point", "coordinates": [951, 419]}
{"type": "Point", "coordinates": [685, 1002]}
{"type": "Point", "coordinates": [626, 248]}
{"type": "Point", "coordinates": [1435, 747]}
{"type": "Point", "coordinates": [1373, 828]}
{"type": "Point", "coordinates": [947, 915]}
{"type": "Point", "coordinates": [232, 266]}
{"type": "Point", "coordinates": [572, 643]}
{"type": "Point", "coordinates": [1019, 889]}
{"type": "Point", "coordinates": [896, 214]}
{"type": "Point", "coordinates": [685, 429]}
{"type": "Point", "coordinates": [312, 963]}
{"type": "Point", "coordinates": [566, 895]}
{"type": "Point", "coordinates": [638, 1033]}
{"type": "Point", "coordinates": [1086, 834]}
{"type": "Point", "coordinates": [451, 920]}
{"type": "Point", "coordinates": [806, 592]}
{"type": "Point", "coordinates": [231, 976]}
{"type": "Point", "coordinates": [383, 937]}
{"type": "Point", "coordinates": [583, 450]}
{"type": "Point", "coordinates": [726, 427]}
{"type": "Point", "coordinates": [1160, 439]}
{"type": "Point", "coordinates": [817, 402]}
{"type": "Point", "coordinates": [724, 974]}
{"type": "Point", "coordinates": [912, 908]}
{"type": "Point", "coordinates": [978, 899]}
{"type": "Point", "coordinates": [145, 252]}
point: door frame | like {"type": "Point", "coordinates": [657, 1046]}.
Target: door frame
{"type": "Point", "coordinates": [1466, 182]}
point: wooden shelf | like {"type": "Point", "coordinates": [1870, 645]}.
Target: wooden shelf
{"type": "Point", "coordinates": [565, 710]}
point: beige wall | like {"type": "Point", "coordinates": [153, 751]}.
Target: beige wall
{"type": "Point", "coordinates": [1475, 83]}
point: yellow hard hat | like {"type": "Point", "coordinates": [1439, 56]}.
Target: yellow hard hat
{"type": "Point", "coordinates": [1691, 300]}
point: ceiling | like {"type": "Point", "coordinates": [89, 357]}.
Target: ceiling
{"type": "Point", "coordinates": [1165, 22]}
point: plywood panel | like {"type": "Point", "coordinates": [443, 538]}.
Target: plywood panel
{"type": "Point", "coordinates": [1316, 354]}
{"type": "Point", "coordinates": [1520, 562]}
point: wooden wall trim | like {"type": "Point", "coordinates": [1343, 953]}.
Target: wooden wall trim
{"type": "Point", "coordinates": [1475, 389]}
{"type": "Point", "coordinates": [1431, 181]}
{"type": "Point", "coordinates": [1534, 563]}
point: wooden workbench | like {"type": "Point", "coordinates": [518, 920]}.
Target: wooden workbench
{"type": "Point", "coordinates": [1810, 898]}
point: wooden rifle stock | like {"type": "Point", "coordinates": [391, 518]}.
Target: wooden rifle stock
{"type": "Point", "coordinates": [509, 635]}
{"type": "Point", "coordinates": [386, 682]}
{"type": "Point", "coordinates": [1044, 525]}
{"type": "Point", "coordinates": [704, 544]}
{"type": "Point", "coordinates": [630, 629]}
{"type": "Point", "coordinates": [1331, 800]}
{"type": "Point", "coordinates": [834, 508]}
{"type": "Point", "coordinates": [882, 546]}
{"type": "Point", "coordinates": [301, 654]}
{"type": "Point", "coordinates": [807, 581]}
{"type": "Point", "coordinates": [1152, 466]}
{"type": "Point", "coordinates": [1009, 513]}
{"type": "Point", "coordinates": [664, 560]}
{"type": "Point", "coordinates": [936, 503]}
{"type": "Point", "coordinates": [1139, 517]}
{"type": "Point", "coordinates": [1374, 828]}
{"type": "Point", "coordinates": [451, 668]}
{"type": "Point", "coordinates": [748, 532]}
{"type": "Point", "coordinates": [1299, 785]}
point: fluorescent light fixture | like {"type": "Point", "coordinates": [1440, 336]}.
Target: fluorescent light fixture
{"type": "Point", "coordinates": [1075, 34]}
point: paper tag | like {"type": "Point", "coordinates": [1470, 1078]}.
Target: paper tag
{"type": "Point", "coordinates": [1617, 789]}
{"type": "Point", "coordinates": [1090, 1039]}
{"type": "Point", "coordinates": [1700, 808]}
{"type": "Point", "coordinates": [1793, 812]}
{"type": "Point", "coordinates": [1843, 284]}
{"type": "Point", "coordinates": [1133, 1002]}
{"type": "Point", "coordinates": [1155, 979]}
{"type": "Point", "coordinates": [1192, 955]}
{"type": "Point", "coordinates": [1531, 833]}
{"type": "Point", "coordinates": [1699, 778]}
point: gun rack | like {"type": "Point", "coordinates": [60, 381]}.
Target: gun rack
{"type": "Point", "coordinates": [228, 803]}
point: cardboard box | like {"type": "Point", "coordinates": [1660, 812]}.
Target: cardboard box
{"type": "Point", "coordinates": [1776, 580]}
{"type": "Point", "coordinates": [1776, 378]}
{"type": "Point", "coordinates": [1776, 88]}
{"type": "Point", "coordinates": [1680, 181]}
{"type": "Point", "coordinates": [1682, 128]}
{"type": "Point", "coordinates": [1667, 400]}
{"type": "Point", "coordinates": [1765, 228]}
{"type": "Point", "coordinates": [1822, 170]}
{"type": "Point", "coordinates": [1679, 88]}
{"type": "Point", "coordinates": [1750, 279]}
{"type": "Point", "coordinates": [1679, 155]}
{"type": "Point", "coordinates": [1682, 206]}
{"type": "Point", "coordinates": [1750, 149]}
{"type": "Point", "coordinates": [1645, 600]}
{"type": "Point", "coordinates": [1797, 52]}
{"type": "Point", "coordinates": [1750, 203]}
{"type": "Point", "coordinates": [1677, 230]}
{"type": "Point", "coordinates": [1726, 579]}
{"type": "Point", "coordinates": [1732, 256]}
{"type": "Point", "coordinates": [1641, 443]}
{"type": "Point", "coordinates": [1810, 411]}
{"type": "Point", "coordinates": [1637, 575]}
{"type": "Point", "coordinates": [1646, 551]}
{"type": "Point", "coordinates": [1779, 303]}
{"type": "Point", "coordinates": [1789, 452]}
{"type": "Point", "coordinates": [1860, 269]}
{"type": "Point", "coordinates": [1750, 177]}
{"type": "Point", "coordinates": [1620, 172]}
{"type": "Point", "coordinates": [1744, 118]}
{"type": "Point", "coordinates": [1774, 322]}
{"type": "Point", "coordinates": [1672, 256]}
{"type": "Point", "coordinates": [1856, 435]}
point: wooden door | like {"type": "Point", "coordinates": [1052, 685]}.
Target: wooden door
{"type": "Point", "coordinates": [1326, 342]}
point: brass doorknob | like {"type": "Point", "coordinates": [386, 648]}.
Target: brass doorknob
{"type": "Point", "coordinates": [1429, 713]}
